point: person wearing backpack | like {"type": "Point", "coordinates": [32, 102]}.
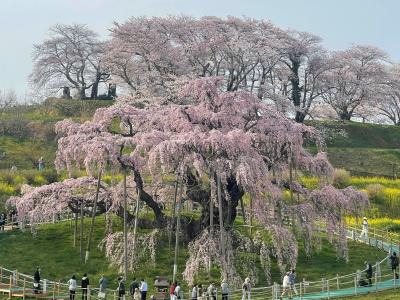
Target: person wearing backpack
{"type": "Point", "coordinates": [394, 263]}
{"type": "Point", "coordinates": [121, 288]}
{"type": "Point", "coordinates": [85, 285]}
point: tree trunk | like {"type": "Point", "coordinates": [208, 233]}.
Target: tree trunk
{"type": "Point", "coordinates": [82, 93]}
{"type": "Point", "coordinates": [345, 115]}
{"type": "Point", "coordinates": [159, 215]}
{"type": "Point", "coordinates": [300, 116]}
{"type": "Point", "coordinates": [296, 90]}
{"type": "Point", "coordinates": [95, 86]}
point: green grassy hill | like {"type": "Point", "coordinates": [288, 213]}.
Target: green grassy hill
{"type": "Point", "coordinates": [362, 148]}
{"type": "Point", "coordinates": [27, 131]}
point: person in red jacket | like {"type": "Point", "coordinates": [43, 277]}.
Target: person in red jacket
{"type": "Point", "coordinates": [172, 291]}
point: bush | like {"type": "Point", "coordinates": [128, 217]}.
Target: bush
{"type": "Point", "coordinates": [341, 178]}
{"type": "Point", "coordinates": [39, 180]}
{"type": "Point", "coordinates": [19, 179]}
{"type": "Point", "coordinates": [6, 189]}
{"type": "Point", "coordinates": [392, 196]}
{"type": "Point", "coordinates": [310, 183]}
{"type": "Point", "coordinates": [376, 193]}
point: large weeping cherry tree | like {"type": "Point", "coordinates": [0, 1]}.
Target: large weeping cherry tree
{"type": "Point", "coordinates": [221, 146]}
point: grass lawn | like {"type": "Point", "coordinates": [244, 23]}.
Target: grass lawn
{"type": "Point", "coordinates": [386, 295]}
{"type": "Point", "coordinates": [53, 250]}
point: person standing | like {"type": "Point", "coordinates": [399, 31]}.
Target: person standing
{"type": "Point", "coordinates": [121, 288]}
{"type": "Point", "coordinates": [172, 291]}
{"type": "Point", "coordinates": [286, 286]}
{"type": "Point", "coordinates": [2, 221]}
{"type": "Point", "coordinates": [40, 163]}
{"type": "Point", "coordinates": [103, 283]}
{"type": "Point", "coordinates": [225, 290]}
{"type": "Point", "coordinates": [200, 292]}
{"type": "Point", "coordinates": [178, 291]}
{"type": "Point", "coordinates": [137, 295]}
{"type": "Point", "coordinates": [134, 285]}
{"type": "Point", "coordinates": [194, 292]}
{"type": "Point", "coordinates": [36, 281]}
{"type": "Point", "coordinates": [364, 231]}
{"type": "Point", "coordinates": [292, 280]}
{"type": "Point", "coordinates": [72, 287]}
{"type": "Point", "coordinates": [368, 272]}
{"type": "Point", "coordinates": [84, 285]}
{"type": "Point", "coordinates": [211, 292]}
{"type": "Point", "coordinates": [246, 289]}
{"type": "Point", "coordinates": [143, 289]}
{"type": "Point", "coordinates": [394, 263]}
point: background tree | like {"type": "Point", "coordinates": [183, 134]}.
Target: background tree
{"type": "Point", "coordinates": [8, 99]}
{"type": "Point", "coordinates": [307, 63]}
{"type": "Point", "coordinates": [358, 73]}
{"type": "Point", "coordinates": [387, 97]}
{"type": "Point", "coordinates": [69, 57]}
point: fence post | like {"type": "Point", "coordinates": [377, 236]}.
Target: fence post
{"type": "Point", "coordinates": [10, 292]}
{"type": "Point", "coordinates": [355, 285]}
{"type": "Point", "coordinates": [1, 274]}
{"type": "Point", "coordinates": [337, 281]}
{"type": "Point", "coordinates": [301, 290]}
{"type": "Point", "coordinates": [44, 285]}
{"type": "Point", "coordinates": [23, 289]}
{"type": "Point", "coordinates": [353, 236]}
{"type": "Point", "coordinates": [88, 292]}
{"type": "Point", "coordinates": [327, 287]}
{"type": "Point", "coordinates": [273, 292]}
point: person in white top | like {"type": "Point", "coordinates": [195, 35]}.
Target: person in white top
{"type": "Point", "coordinates": [72, 287]}
{"type": "Point", "coordinates": [178, 291]}
{"type": "Point", "coordinates": [286, 286]}
{"type": "Point", "coordinates": [143, 289]}
{"type": "Point", "coordinates": [246, 289]}
{"type": "Point", "coordinates": [364, 231]}
{"type": "Point", "coordinates": [225, 290]}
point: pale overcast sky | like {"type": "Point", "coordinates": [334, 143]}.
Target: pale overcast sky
{"type": "Point", "coordinates": [339, 22]}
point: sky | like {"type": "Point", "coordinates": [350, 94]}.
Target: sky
{"type": "Point", "coordinates": [340, 23]}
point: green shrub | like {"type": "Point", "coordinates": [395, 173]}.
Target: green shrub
{"type": "Point", "coordinates": [341, 178]}
{"type": "Point", "coordinates": [392, 196]}
{"type": "Point", "coordinates": [376, 193]}
{"type": "Point", "coordinates": [310, 183]}
{"type": "Point", "coordinates": [6, 189]}
{"type": "Point", "coordinates": [19, 179]}
{"type": "Point", "coordinates": [39, 180]}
